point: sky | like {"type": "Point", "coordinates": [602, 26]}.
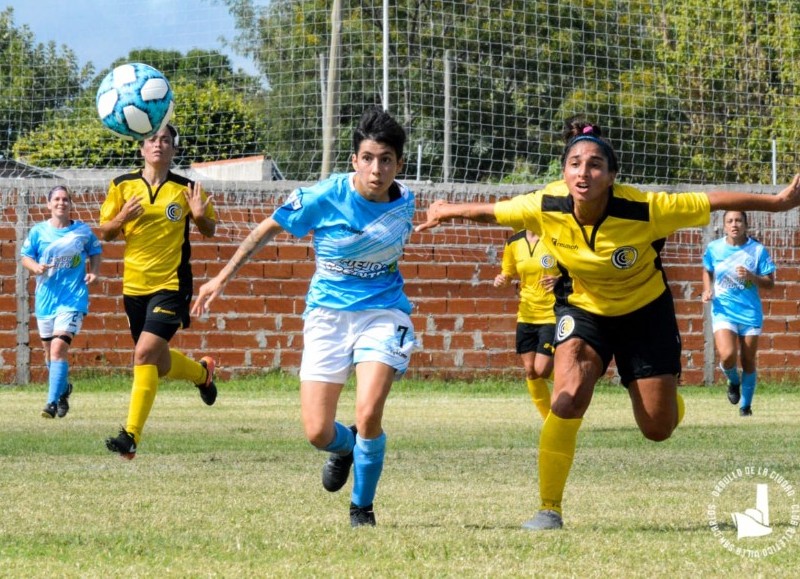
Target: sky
{"type": "Point", "coordinates": [101, 31]}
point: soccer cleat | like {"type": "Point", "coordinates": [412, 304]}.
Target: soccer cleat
{"type": "Point", "coordinates": [545, 520]}
{"type": "Point", "coordinates": [208, 390]}
{"type": "Point", "coordinates": [336, 469]}
{"type": "Point", "coordinates": [745, 411]}
{"type": "Point", "coordinates": [733, 393]}
{"type": "Point", "coordinates": [361, 516]}
{"type": "Point", "coordinates": [49, 410]}
{"type": "Point", "coordinates": [63, 402]}
{"type": "Point", "coordinates": [124, 444]}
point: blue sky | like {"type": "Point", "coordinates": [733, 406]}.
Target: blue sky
{"type": "Point", "coordinates": [101, 31]}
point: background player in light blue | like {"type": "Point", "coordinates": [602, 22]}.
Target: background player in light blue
{"type": "Point", "coordinates": [357, 314]}
{"type": "Point", "coordinates": [735, 268]}
{"type": "Point", "coordinates": [56, 252]}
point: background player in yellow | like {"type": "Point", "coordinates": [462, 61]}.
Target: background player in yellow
{"type": "Point", "coordinates": [152, 208]}
{"type": "Point", "coordinates": [524, 257]}
{"type": "Point", "coordinates": [612, 300]}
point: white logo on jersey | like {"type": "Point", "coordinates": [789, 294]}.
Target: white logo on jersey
{"type": "Point", "coordinates": [174, 212]}
{"type": "Point", "coordinates": [624, 257]}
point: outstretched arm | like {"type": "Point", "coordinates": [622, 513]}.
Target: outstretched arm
{"type": "Point", "coordinates": [440, 211]}
{"type": "Point", "coordinates": [787, 199]}
{"type": "Point", "coordinates": [260, 236]}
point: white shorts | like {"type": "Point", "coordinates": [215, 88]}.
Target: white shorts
{"type": "Point", "coordinates": [60, 323]}
{"type": "Point", "coordinates": [718, 323]}
{"type": "Point", "coordinates": [334, 341]}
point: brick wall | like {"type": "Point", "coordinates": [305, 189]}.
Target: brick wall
{"type": "Point", "coordinates": [465, 325]}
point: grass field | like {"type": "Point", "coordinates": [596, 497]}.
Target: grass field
{"type": "Point", "coordinates": [234, 490]}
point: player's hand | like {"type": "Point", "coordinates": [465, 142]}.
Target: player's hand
{"type": "Point", "coordinates": [207, 294]}
{"type": "Point", "coordinates": [194, 197]}
{"type": "Point", "coordinates": [548, 282]}
{"type": "Point", "coordinates": [90, 278]}
{"type": "Point", "coordinates": [131, 210]}
{"type": "Point", "coordinates": [707, 296]}
{"type": "Point", "coordinates": [40, 268]}
{"type": "Point", "coordinates": [791, 194]}
{"type": "Point", "coordinates": [433, 217]}
{"type": "Point", "coordinates": [501, 280]}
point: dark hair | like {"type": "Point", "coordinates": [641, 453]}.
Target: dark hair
{"type": "Point", "coordinates": [379, 126]}
{"type": "Point", "coordinates": [59, 188]}
{"type": "Point", "coordinates": [744, 216]}
{"type": "Point", "coordinates": [577, 129]}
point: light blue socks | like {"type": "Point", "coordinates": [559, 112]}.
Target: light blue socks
{"type": "Point", "coordinates": [368, 457]}
{"type": "Point", "coordinates": [748, 389]}
{"type": "Point", "coordinates": [343, 441]}
{"type": "Point", "coordinates": [59, 370]}
{"type": "Point", "coordinates": [731, 374]}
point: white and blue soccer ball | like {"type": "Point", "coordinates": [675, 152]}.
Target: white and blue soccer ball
{"type": "Point", "coordinates": [134, 101]}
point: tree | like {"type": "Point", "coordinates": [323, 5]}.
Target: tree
{"type": "Point", "coordinates": [217, 120]}
{"type": "Point", "coordinates": [36, 80]}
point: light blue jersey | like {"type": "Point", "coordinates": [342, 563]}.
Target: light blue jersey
{"type": "Point", "coordinates": [357, 243]}
{"type": "Point", "coordinates": [734, 300]}
{"type": "Point", "coordinates": [62, 288]}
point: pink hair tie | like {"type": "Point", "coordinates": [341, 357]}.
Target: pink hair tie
{"type": "Point", "coordinates": [588, 129]}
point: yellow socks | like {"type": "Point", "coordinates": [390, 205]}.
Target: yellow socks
{"type": "Point", "coordinates": [557, 443]}
{"type": "Point", "coordinates": [540, 394]}
{"type": "Point", "coordinates": [681, 408]}
{"type": "Point", "coordinates": [185, 368]}
{"type": "Point", "coordinates": [145, 385]}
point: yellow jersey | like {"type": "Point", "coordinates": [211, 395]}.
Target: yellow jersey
{"type": "Point", "coordinates": [157, 249]}
{"type": "Point", "coordinates": [614, 267]}
{"type": "Point", "coordinates": [530, 264]}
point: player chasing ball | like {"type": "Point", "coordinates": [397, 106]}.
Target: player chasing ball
{"type": "Point", "coordinates": [152, 208]}
{"type": "Point", "coordinates": [612, 300]}
{"type": "Point", "coordinates": [357, 314]}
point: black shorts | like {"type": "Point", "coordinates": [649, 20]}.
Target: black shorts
{"type": "Point", "coordinates": [162, 313]}
{"type": "Point", "coordinates": [535, 338]}
{"type": "Point", "coordinates": [643, 343]}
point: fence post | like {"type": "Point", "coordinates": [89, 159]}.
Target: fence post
{"type": "Point", "coordinates": [23, 375]}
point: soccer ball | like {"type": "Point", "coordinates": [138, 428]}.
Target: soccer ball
{"type": "Point", "coordinates": [134, 101]}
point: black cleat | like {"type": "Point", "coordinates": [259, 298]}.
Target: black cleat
{"type": "Point", "coordinates": [63, 403]}
{"type": "Point", "coordinates": [208, 390]}
{"type": "Point", "coordinates": [361, 516]}
{"type": "Point", "coordinates": [49, 410]}
{"type": "Point", "coordinates": [124, 444]}
{"type": "Point", "coordinates": [745, 411]}
{"type": "Point", "coordinates": [336, 469]}
{"type": "Point", "coordinates": [733, 393]}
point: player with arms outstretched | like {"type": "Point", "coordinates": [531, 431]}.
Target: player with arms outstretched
{"type": "Point", "coordinates": [357, 314]}
{"type": "Point", "coordinates": [612, 300]}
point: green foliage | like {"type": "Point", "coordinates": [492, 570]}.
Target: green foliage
{"type": "Point", "coordinates": [207, 107]}
{"type": "Point", "coordinates": [27, 70]}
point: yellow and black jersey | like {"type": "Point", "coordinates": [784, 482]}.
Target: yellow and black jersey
{"type": "Point", "coordinates": [157, 249]}
{"type": "Point", "coordinates": [613, 267]}
{"type": "Point", "coordinates": [529, 264]}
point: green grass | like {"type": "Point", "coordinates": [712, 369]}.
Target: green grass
{"type": "Point", "coordinates": [234, 491]}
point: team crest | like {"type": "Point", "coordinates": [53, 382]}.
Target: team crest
{"type": "Point", "coordinates": [624, 257]}
{"type": "Point", "coordinates": [174, 212]}
{"type": "Point", "coordinates": [547, 261]}
{"type": "Point", "coordinates": [293, 202]}
{"type": "Point", "coordinates": [566, 325]}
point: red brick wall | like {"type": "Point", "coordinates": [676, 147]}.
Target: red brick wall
{"type": "Point", "coordinates": [465, 325]}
